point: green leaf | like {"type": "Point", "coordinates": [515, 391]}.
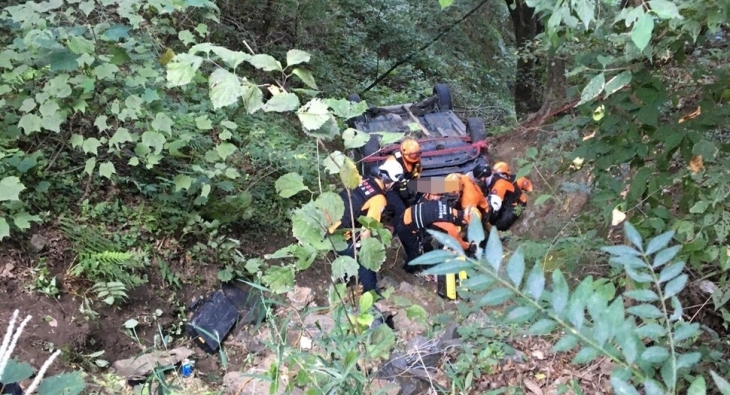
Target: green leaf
{"type": "Point", "coordinates": [621, 387]}
{"type": "Point", "coordinates": [475, 231]}
{"type": "Point", "coordinates": [566, 343]}
{"type": "Point", "coordinates": [617, 82]}
{"type": "Point", "coordinates": [585, 355]}
{"type": "Point", "coordinates": [586, 11]}
{"type": "Point", "coordinates": [182, 181]}
{"type": "Point", "coordinates": [493, 252]}
{"type": "Point", "coordinates": [698, 386]}
{"type": "Point", "coordinates": [371, 254]}
{"type": "Point", "coordinates": [203, 122]}
{"type": "Point", "coordinates": [30, 123]}
{"type": "Point", "coordinates": [22, 220]}
{"type": "Point", "coordinates": [665, 256]}
{"type": "Point", "coordinates": [162, 123]}
{"type": "Point", "coordinates": [225, 88]}
{"type": "Point", "coordinates": [516, 267]}
{"type": "Point", "coordinates": [651, 331]}
{"type": "Point", "coordinates": [542, 327]}
{"type": "Point", "coordinates": [332, 207]}
{"type": "Point", "coordinates": [659, 242]}
{"type": "Point", "coordinates": [314, 114]}
{"type": "Point", "coordinates": [627, 341]}
{"type": "Point", "coordinates": [542, 199]}
{"type": "Point", "coordinates": [642, 295]}
{"type": "Point", "coordinates": [91, 145]}
{"type": "Point", "coordinates": [253, 99]}
{"type": "Point", "coordinates": [520, 314]}
{"type": "Point", "coordinates": [684, 330]}
{"type": "Point", "coordinates": [186, 37]}
{"type": "Point", "coordinates": [63, 60]}
{"type": "Point", "coordinates": [4, 228]}
{"type": "Point", "coordinates": [560, 293]}
{"type": "Point", "coordinates": [106, 169]}
{"type": "Point", "coordinates": [633, 235]}
{"type": "Point", "coordinates": [366, 302]}
{"type": "Point", "coordinates": [620, 250]}
{"type": "Point", "coordinates": [686, 361]}
{"type": "Point", "coordinates": [652, 387]}
{"type": "Point", "coordinates": [705, 149]}
{"type": "Point", "coordinates": [10, 188]}
{"type": "Point", "coordinates": [354, 138]}
{"type": "Point", "coordinates": [28, 105]}
{"type": "Point", "coordinates": [105, 71]}
{"type": "Point", "coordinates": [229, 125]}
{"type": "Point", "coordinates": [305, 76]}
{"type": "Point", "coordinates": [80, 45]}
{"type": "Point", "coordinates": [699, 207]}
{"type": "Point", "coordinates": [645, 311]}
{"type": "Point", "coordinates": [87, 6]}
{"type": "Point", "coordinates": [225, 150]}
{"type": "Point", "coordinates": [344, 267]}
{"type": "Point", "coordinates": [664, 9]}
{"type": "Point", "coordinates": [120, 136]}
{"type": "Point", "coordinates": [231, 58]}
{"type": "Point", "coordinates": [477, 283]}
{"type": "Point", "coordinates": [641, 31]}
{"type": "Point", "coordinates": [496, 297]}
{"type": "Point", "coordinates": [675, 286]}
{"type": "Point", "coordinates": [346, 109]}
{"type": "Point", "coordinates": [451, 266]}
{"type": "Point", "coordinates": [289, 185]}
{"type": "Point", "coordinates": [154, 139]}
{"type": "Point", "coordinates": [535, 283]}
{"type": "Point", "coordinates": [655, 354]}
{"type": "Point", "coordinates": [721, 383]}
{"type": "Point", "coordinates": [264, 62]}
{"type": "Point", "coordinates": [416, 312]}
{"type": "Point", "coordinates": [116, 32]}
{"type": "Point", "coordinates": [90, 164]}
{"type": "Point", "coordinates": [593, 89]}
{"type": "Point", "coordinates": [100, 123]}
{"type": "Point", "coordinates": [447, 241]}
{"type": "Point", "coordinates": [445, 3]}
{"type": "Point", "coordinates": [16, 371]}
{"type": "Point", "coordinates": [638, 185]}
{"type": "Point", "coordinates": [296, 56]}
{"type": "Point", "coordinates": [282, 102]}
{"type": "Point", "coordinates": [349, 175]}
{"type": "Point", "coordinates": [181, 70]}
{"type": "Point", "coordinates": [433, 257]}
{"type": "Point", "coordinates": [62, 384]}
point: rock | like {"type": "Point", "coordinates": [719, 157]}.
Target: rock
{"type": "Point", "coordinates": [384, 387]}
{"type": "Point", "coordinates": [300, 297]}
{"type": "Point", "coordinates": [243, 383]}
{"type": "Point", "coordinates": [38, 243]}
{"type": "Point", "coordinates": [325, 322]}
{"type": "Point", "coordinates": [139, 367]}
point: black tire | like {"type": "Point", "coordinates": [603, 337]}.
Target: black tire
{"type": "Point", "coordinates": [371, 147]}
{"type": "Point", "coordinates": [476, 129]}
{"type": "Point", "coordinates": [443, 94]}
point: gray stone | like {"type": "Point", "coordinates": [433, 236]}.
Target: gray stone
{"type": "Point", "coordinates": [38, 243]}
{"type": "Point", "coordinates": [139, 367]}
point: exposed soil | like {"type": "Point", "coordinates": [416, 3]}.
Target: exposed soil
{"type": "Point", "coordinates": [58, 322]}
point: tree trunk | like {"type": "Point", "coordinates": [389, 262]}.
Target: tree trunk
{"type": "Point", "coordinates": [526, 27]}
{"type": "Point", "coordinates": [554, 95]}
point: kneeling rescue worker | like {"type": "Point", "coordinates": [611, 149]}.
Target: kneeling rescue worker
{"type": "Point", "coordinates": [431, 211]}
{"type": "Point", "coordinates": [505, 194]}
{"type": "Point", "coordinates": [367, 199]}
{"type": "Point", "coordinates": [409, 158]}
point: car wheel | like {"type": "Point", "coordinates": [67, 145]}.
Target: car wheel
{"type": "Point", "coordinates": [355, 98]}
{"type": "Point", "coordinates": [443, 95]}
{"type": "Point", "coordinates": [476, 129]}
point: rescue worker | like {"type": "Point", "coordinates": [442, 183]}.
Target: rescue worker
{"type": "Point", "coordinates": [409, 158]}
{"type": "Point", "coordinates": [432, 211]}
{"type": "Point", "coordinates": [367, 199]}
{"type": "Point", "coordinates": [469, 194]}
{"type": "Point", "coordinates": [505, 194]}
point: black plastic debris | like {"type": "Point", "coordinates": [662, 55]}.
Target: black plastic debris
{"type": "Point", "coordinates": [213, 320]}
{"type": "Point", "coordinates": [250, 304]}
{"type": "Point", "coordinates": [11, 389]}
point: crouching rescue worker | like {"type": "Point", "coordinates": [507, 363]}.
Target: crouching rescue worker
{"type": "Point", "coordinates": [505, 194]}
{"type": "Point", "coordinates": [368, 199]}
{"type": "Point", "coordinates": [470, 196]}
{"type": "Point", "coordinates": [409, 158]}
{"type": "Point", "coordinates": [432, 211]}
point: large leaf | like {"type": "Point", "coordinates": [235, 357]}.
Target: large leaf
{"type": "Point", "coordinates": [675, 286]}
{"type": "Point", "coordinates": [622, 387]}
{"type": "Point", "coordinates": [225, 89]}
{"type": "Point", "coordinates": [641, 31]}
{"type": "Point", "coordinates": [10, 188]}
{"type": "Point", "coordinates": [264, 62]}
{"type": "Point", "coordinates": [560, 294]}
{"type": "Point", "coordinates": [282, 102]}
{"type": "Point", "coordinates": [296, 56]}
{"type": "Point", "coordinates": [493, 252]}
{"type": "Point", "coordinates": [516, 267]}
{"type": "Point", "coordinates": [535, 283]}
{"type": "Point", "coordinates": [593, 89]}
{"type": "Point", "coordinates": [664, 9]}
{"type": "Point", "coordinates": [62, 384]}
{"type": "Point", "coordinates": [332, 206]}
{"type": "Point", "coordinates": [617, 82]}
{"type": "Point", "coordinates": [314, 114]}
{"type": "Point", "coordinates": [354, 138]}
{"type": "Point", "coordinates": [344, 267]}
{"type": "Point", "coordinates": [659, 242]}
{"type": "Point", "coordinates": [496, 297]}
{"type": "Point", "coordinates": [371, 254]}
{"type": "Point", "coordinates": [452, 266]}
{"type": "Point", "coordinates": [16, 371]}
{"type": "Point", "coordinates": [289, 185]}
{"type": "Point", "coordinates": [305, 76]}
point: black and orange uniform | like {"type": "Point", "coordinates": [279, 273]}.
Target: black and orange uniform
{"type": "Point", "coordinates": [421, 216]}
{"type": "Point", "coordinates": [409, 157]}
{"type": "Point", "coordinates": [505, 196]}
{"type": "Point", "coordinates": [368, 199]}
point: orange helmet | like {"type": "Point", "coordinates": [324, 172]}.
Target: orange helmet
{"type": "Point", "coordinates": [501, 167]}
{"type": "Point", "coordinates": [524, 184]}
{"type": "Point", "coordinates": [410, 150]}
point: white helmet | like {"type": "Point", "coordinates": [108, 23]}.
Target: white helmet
{"type": "Point", "coordinates": [391, 171]}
